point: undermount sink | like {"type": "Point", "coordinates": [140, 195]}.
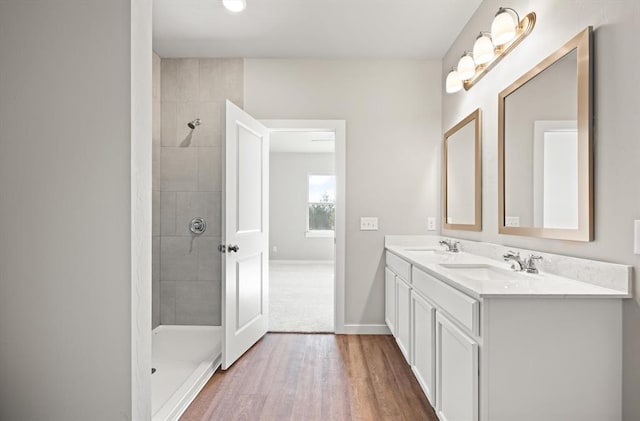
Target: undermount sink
{"type": "Point", "coordinates": [480, 272]}
{"type": "Point", "coordinates": [422, 250]}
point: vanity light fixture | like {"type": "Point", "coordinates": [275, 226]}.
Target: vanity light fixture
{"type": "Point", "coordinates": [483, 50]}
{"type": "Point", "coordinates": [466, 66]}
{"type": "Point", "coordinates": [454, 83]}
{"type": "Point", "coordinates": [503, 27]}
{"type": "Point", "coordinates": [235, 6]}
{"type": "Point", "coordinates": [507, 31]}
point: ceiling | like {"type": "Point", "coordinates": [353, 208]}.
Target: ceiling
{"type": "Point", "coordinates": [309, 28]}
{"type": "Point", "coordinates": [302, 142]}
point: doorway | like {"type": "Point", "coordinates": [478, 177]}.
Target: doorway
{"type": "Point", "coordinates": [306, 225]}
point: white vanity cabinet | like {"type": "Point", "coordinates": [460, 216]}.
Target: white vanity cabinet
{"type": "Point", "coordinates": [390, 300]}
{"type": "Point", "coordinates": [403, 320]}
{"type": "Point", "coordinates": [456, 372]}
{"type": "Point", "coordinates": [423, 343]}
{"type": "Point", "coordinates": [500, 356]}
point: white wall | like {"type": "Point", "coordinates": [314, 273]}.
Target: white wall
{"type": "Point", "coordinates": [66, 267]}
{"type": "Point", "coordinates": [617, 194]}
{"type": "Point", "coordinates": [288, 189]}
{"type": "Point", "coordinates": [392, 113]}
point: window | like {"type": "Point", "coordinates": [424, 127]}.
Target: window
{"type": "Point", "coordinates": [321, 209]}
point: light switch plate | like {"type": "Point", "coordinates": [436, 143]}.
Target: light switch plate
{"type": "Point", "coordinates": [369, 223]}
{"type": "Point", "coordinates": [512, 221]}
{"type": "Point", "coordinates": [636, 236]}
{"type": "Point", "coordinates": [431, 223]}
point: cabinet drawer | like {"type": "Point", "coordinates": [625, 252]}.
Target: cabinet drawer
{"type": "Point", "coordinates": [402, 268]}
{"type": "Point", "coordinates": [463, 308]}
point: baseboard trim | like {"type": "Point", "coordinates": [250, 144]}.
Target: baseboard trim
{"type": "Point", "coordinates": [301, 262]}
{"type": "Point", "coordinates": [366, 330]}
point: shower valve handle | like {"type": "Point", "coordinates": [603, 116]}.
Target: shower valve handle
{"type": "Point", "coordinates": [233, 248]}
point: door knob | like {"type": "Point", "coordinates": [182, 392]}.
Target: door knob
{"type": "Point", "coordinates": [233, 248]}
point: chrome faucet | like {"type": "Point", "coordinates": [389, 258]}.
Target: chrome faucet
{"type": "Point", "coordinates": [452, 246]}
{"type": "Point", "coordinates": [530, 263]}
{"type": "Point", "coordinates": [519, 264]}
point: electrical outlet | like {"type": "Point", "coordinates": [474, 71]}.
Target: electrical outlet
{"type": "Point", "coordinates": [431, 223]}
{"type": "Point", "coordinates": [369, 223]}
{"type": "Point", "coordinates": [511, 221]}
{"type": "Point", "coordinates": [275, 249]}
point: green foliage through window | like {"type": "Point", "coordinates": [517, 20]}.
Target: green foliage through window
{"type": "Point", "coordinates": [322, 215]}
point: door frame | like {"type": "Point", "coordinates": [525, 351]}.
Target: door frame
{"type": "Point", "coordinates": [339, 128]}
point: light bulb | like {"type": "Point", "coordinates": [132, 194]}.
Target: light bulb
{"type": "Point", "coordinates": [483, 49]}
{"type": "Point", "coordinates": [234, 6]}
{"type": "Point", "coordinates": [503, 28]}
{"type": "Point", "coordinates": [454, 83]}
{"type": "Point", "coordinates": [466, 67]}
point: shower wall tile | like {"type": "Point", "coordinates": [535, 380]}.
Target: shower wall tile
{"type": "Point", "coordinates": [156, 124]}
{"type": "Point", "coordinates": [155, 282]}
{"type": "Point", "coordinates": [155, 168]}
{"type": "Point", "coordinates": [169, 77]}
{"type": "Point", "coordinates": [155, 213]}
{"type": "Point", "coordinates": [189, 175]}
{"type": "Point", "coordinates": [209, 259]}
{"type": "Point", "coordinates": [155, 304]}
{"type": "Point", "coordinates": [198, 204]}
{"type": "Point", "coordinates": [156, 65]}
{"type": "Point", "coordinates": [222, 79]}
{"type": "Point", "coordinates": [156, 117]}
{"type": "Point", "coordinates": [188, 81]}
{"type": "Point", "coordinates": [168, 131]}
{"type": "Point", "coordinates": [189, 258]}
{"type": "Point", "coordinates": [209, 132]}
{"type": "Point", "coordinates": [155, 260]}
{"type": "Point", "coordinates": [178, 259]}
{"type": "Point", "coordinates": [210, 169]}
{"type": "Point", "coordinates": [168, 206]}
{"type": "Point", "coordinates": [194, 303]}
{"type": "Point", "coordinates": [167, 302]}
{"type": "Point", "coordinates": [179, 169]}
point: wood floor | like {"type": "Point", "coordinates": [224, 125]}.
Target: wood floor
{"type": "Point", "coordinates": [315, 377]}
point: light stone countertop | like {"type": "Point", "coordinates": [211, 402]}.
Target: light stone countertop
{"type": "Point", "coordinates": [503, 282]}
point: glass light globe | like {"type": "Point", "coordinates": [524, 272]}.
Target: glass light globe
{"type": "Point", "coordinates": [234, 6]}
{"type": "Point", "coordinates": [483, 50]}
{"type": "Point", "coordinates": [454, 83]}
{"type": "Point", "coordinates": [503, 28]}
{"type": "Point", "coordinates": [466, 67]}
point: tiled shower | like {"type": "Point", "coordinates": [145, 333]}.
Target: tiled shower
{"type": "Point", "coordinates": [187, 183]}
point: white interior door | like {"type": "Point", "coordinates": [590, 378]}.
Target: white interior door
{"type": "Point", "coordinates": [245, 289]}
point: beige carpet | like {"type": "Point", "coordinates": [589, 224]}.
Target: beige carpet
{"type": "Point", "coordinates": [300, 296]}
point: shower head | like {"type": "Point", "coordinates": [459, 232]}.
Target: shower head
{"type": "Point", "coordinates": [193, 124]}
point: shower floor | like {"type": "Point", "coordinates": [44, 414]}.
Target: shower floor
{"type": "Point", "coordinates": [184, 357]}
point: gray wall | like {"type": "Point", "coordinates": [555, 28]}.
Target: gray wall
{"type": "Point", "coordinates": [617, 194]}
{"type": "Point", "coordinates": [190, 185]}
{"type": "Point", "coordinates": [392, 110]}
{"type": "Point", "coordinates": [288, 206]}
{"type": "Point", "coordinates": [66, 266]}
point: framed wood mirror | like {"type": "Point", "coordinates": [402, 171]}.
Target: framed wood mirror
{"type": "Point", "coordinates": [545, 162]}
{"type": "Point", "coordinates": [462, 175]}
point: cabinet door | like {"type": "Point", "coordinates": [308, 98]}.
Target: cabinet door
{"type": "Point", "coordinates": [403, 317]}
{"type": "Point", "coordinates": [390, 300]}
{"type": "Point", "coordinates": [423, 343]}
{"type": "Point", "coordinates": [456, 373]}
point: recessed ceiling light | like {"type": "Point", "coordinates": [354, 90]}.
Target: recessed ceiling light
{"type": "Point", "coordinates": [235, 6]}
